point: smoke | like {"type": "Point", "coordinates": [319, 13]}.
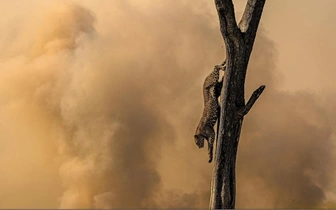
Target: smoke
{"type": "Point", "coordinates": [286, 146]}
{"type": "Point", "coordinates": [99, 104]}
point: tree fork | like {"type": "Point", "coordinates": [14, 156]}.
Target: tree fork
{"type": "Point", "coordinates": [239, 40]}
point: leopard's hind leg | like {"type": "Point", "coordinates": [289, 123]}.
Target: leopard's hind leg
{"type": "Point", "coordinates": [210, 133]}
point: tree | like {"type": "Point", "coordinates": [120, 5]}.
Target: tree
{"type": "Point", "coordinates": [239, 40]}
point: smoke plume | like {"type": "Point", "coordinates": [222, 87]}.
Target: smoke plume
{"type": "Point", "coordinates": [99, 104]}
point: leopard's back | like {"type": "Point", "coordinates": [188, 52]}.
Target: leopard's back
{"type": "Point", "coordinates": [208, 86]}
{"type": "Point", "coordinates": [210, 110]}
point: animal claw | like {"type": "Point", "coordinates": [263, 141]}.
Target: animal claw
{"type": "Point", "coordinates": [210, 160]}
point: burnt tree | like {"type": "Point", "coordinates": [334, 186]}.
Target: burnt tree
{"type": "Point", "coordinates": [239, 41]}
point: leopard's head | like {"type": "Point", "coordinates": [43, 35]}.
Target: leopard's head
{"type": "Point", "coordinates": [199, 140]}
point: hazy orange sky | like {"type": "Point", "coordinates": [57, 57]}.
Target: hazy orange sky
{"type": "Point", "coordinates": [99, 101]}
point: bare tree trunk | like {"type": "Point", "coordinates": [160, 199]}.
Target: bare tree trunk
{"type": "Point", "coordinates": [239, 41]}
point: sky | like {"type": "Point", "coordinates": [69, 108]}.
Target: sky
{"type": "Point", "coordinates": [99, 102]}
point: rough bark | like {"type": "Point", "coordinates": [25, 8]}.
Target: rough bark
{"type": "Point", "coordinates": [239, 41]}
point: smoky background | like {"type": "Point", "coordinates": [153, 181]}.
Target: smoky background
{"type": "Point", "coordinates": [99, 104]}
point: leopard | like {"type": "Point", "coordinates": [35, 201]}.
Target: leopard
{"type": "Point", "coordinates": [211, 92]}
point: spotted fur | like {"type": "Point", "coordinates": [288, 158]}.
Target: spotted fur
{"type": "Point", "coordinates": [211, 92]}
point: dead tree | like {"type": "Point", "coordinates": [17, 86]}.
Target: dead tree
{"type": "Point", "coordinates": [239, 41]}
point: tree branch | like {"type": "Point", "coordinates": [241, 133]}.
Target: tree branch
{"type": "Point", "coordinates": [251, 16]}
{"type": "Point", "coordinates": [250, 21]}
{"type": "Point", "coordinates": [227, 19]}
{"type": "Point", "coordinates": [255, 95]}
